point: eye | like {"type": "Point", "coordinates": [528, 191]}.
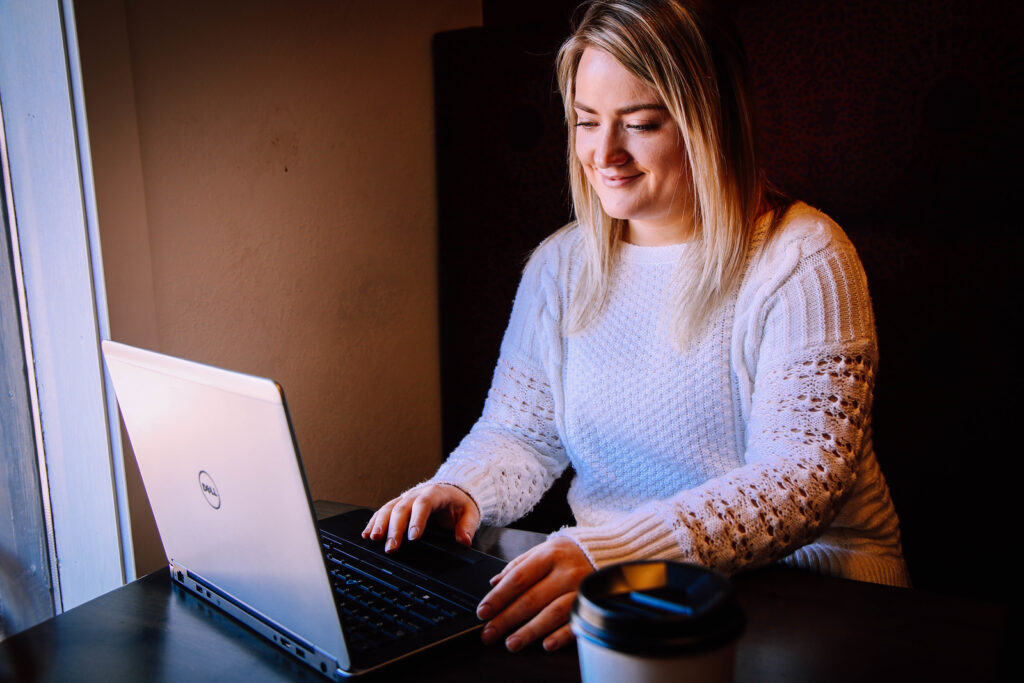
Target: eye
{"type": "Point", "coordinates": [643, 127]}
{"type": "Point", "coordinates": [586, 124]}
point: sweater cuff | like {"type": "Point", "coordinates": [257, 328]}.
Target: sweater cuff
{"type": "Point", "coordinates": [474, 481]}
{"type": "Point", "coordinates": [624, 539]}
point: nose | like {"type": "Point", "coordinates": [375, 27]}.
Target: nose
{"type": "Point", "coordinates": [610, 150]}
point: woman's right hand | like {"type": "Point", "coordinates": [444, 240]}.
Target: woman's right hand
{"type": "Point", "coordinates": [410, 511]}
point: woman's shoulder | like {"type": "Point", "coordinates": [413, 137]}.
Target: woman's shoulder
{"type": "Point", "coordinates": [552, 257]}
{"type": "Point", "coordinates": [806, 229]}
{"type": "Point", "coordinates": [536, 313]}
{"type": "Point", "coordinates": [801, 233]}
{"type": "Point", "coordinates": [545, 277]}
{"type": "Point", "coordinates": [559, 245]}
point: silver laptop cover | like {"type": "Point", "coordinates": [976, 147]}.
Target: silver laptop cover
{"type": "Point", "coordinates": [218, 461]}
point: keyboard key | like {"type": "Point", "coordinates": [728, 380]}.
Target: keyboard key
{"type": "Point", "coordinates": [376, 609]}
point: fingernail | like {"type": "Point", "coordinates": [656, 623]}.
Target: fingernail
{"type": "Point", "coordinates": [375, 534]}
{"type": "Point", "coordinates": [488, 635]}
{"type": "Point", "coordinates": [484, 612]}
{"type": "Point", "coordinates": [414, 533]}
{"type": "Point", "coordinates": [550, 644]}
{"type": "Point", "coordinates": [494, 579]}
{"type": "Point", "coordinates": [466, 539]}
{"type": "Point", "coordinates": [390, 545]}
{"type": "Point", "coordinates": [513, 643]}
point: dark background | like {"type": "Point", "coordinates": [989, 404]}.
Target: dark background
{"type": "Point", "coordinates": [899, 119]}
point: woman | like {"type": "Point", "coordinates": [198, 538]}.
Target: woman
{"type": "Point", "coordinates": [699, 349]}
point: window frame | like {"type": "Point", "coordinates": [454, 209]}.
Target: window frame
{"type": "Point", "coordinates": [57, 257]}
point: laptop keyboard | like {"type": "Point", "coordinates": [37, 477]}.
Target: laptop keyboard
{"type": "Point", "coordinates": [378, 608]}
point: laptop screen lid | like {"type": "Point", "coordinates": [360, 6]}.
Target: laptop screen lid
{"type": "Point", "coordinates": [219, 463]}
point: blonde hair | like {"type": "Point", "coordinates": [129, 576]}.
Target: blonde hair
{"type": "Point", "coordinates": [691, 55]}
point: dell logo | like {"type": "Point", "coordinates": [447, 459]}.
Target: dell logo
{"type": "Point", "coordinates": [209, 489]}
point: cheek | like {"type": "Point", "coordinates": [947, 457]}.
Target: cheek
{"type": "Point", "coordinates": [658, 154]}
{"type": "Point", "coordinates": [584, 155]}
{"type": "Point", "coordinates": [672, 165]}
{"type": "Point", "coordinates": [583, 152]}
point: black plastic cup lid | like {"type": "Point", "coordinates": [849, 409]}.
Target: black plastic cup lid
{"type": "Point", "coordinates": [657, 609]}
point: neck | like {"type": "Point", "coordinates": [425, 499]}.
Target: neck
{"type": "Point", "coordinates": [649, 235]}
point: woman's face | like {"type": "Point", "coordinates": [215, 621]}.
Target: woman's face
{"type": "Point", "coordinates": [632, 151]}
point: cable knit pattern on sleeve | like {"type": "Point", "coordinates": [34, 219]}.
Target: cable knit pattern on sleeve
{"type": "Point", "coordinates": [512, 454]}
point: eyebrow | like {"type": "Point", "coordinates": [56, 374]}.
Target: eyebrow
{"type": "Point", "coordinates": [631, 109]}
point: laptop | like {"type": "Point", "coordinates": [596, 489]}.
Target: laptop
{"type": "Point", "coordinates": [221, 467]}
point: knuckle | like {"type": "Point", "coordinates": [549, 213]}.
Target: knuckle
{"type": "Point", "coordinates": [515, 581]}
{"type": "Point", "coordinates": [551, 617]}
{"type": "Point", "coordinates": [565, 547]}
{"type": "Point", "coordinates": [439, 489]}
{"type": "Point", "coordinates": [410, 496]}
{"type": "Point", "coordinates": [431, 497]}
{"type": "Point", "coordinates": [530, 604]}
{"type": "Point", "coordinates": [579, 572]}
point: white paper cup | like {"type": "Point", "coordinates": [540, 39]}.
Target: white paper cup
{"type": "Point", "coordinates": [656, 621]}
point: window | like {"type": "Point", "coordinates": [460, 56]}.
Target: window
{"type": "Point", "coordinates": [55, 279]}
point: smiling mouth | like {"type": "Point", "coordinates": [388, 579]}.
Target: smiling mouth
{"type": "Point", "coordinates": [618, 180]}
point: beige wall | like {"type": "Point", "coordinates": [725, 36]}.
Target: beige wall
{"type": "Point", "coordinates": [265, 188]}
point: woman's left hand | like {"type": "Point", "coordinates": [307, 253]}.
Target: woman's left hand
{"type": "Point", "coordinates": [535, 592]}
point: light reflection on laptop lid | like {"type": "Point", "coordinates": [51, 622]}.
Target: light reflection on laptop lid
{"type": "Point", "coordinates": [219, 463]}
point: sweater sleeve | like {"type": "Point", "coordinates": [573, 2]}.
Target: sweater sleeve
{"type": "Point", "coordinates": [808, 414]}
{"type": "Point", "coordinates": [513, 453]}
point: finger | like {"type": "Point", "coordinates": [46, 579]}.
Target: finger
{"type": "Point", "coordinates": [516, 561]}
{"type": "Point", "coordinates": [547, 621]}
{"type": "Point", "coordinates": [371, 523]}
{"type": "Point", "coordinates": [379, 521]}
{"type": "Point", "coordinates": [422, 507]}
{"type": "Point", "coordinates": [505, 570]}
{"type": "Point", "coordinates": [397, 525]}
{"type": "Point", "coordinates": [561, 637]}
{"type": "Point", "coordinates": [467, 525]}
{"type": "Point", "coordinates": [521, 612]}
{"type": "Point", "coordinates": [514, 584]}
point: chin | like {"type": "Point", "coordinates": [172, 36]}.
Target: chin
{"type": "Point", "coordinates": [617, 211]}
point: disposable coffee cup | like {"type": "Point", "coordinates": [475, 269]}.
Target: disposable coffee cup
{"type": "Point", "coordinates": [656, 622]}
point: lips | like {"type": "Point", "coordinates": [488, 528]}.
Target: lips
{"type": "Point", "coordinates": [618, 180]}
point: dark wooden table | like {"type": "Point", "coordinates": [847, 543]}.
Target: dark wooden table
{"type": "Point", "coordinates": [801, 627]}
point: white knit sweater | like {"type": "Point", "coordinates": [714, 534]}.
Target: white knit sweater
{"type": "Point", "coordinates": [753, 445]}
